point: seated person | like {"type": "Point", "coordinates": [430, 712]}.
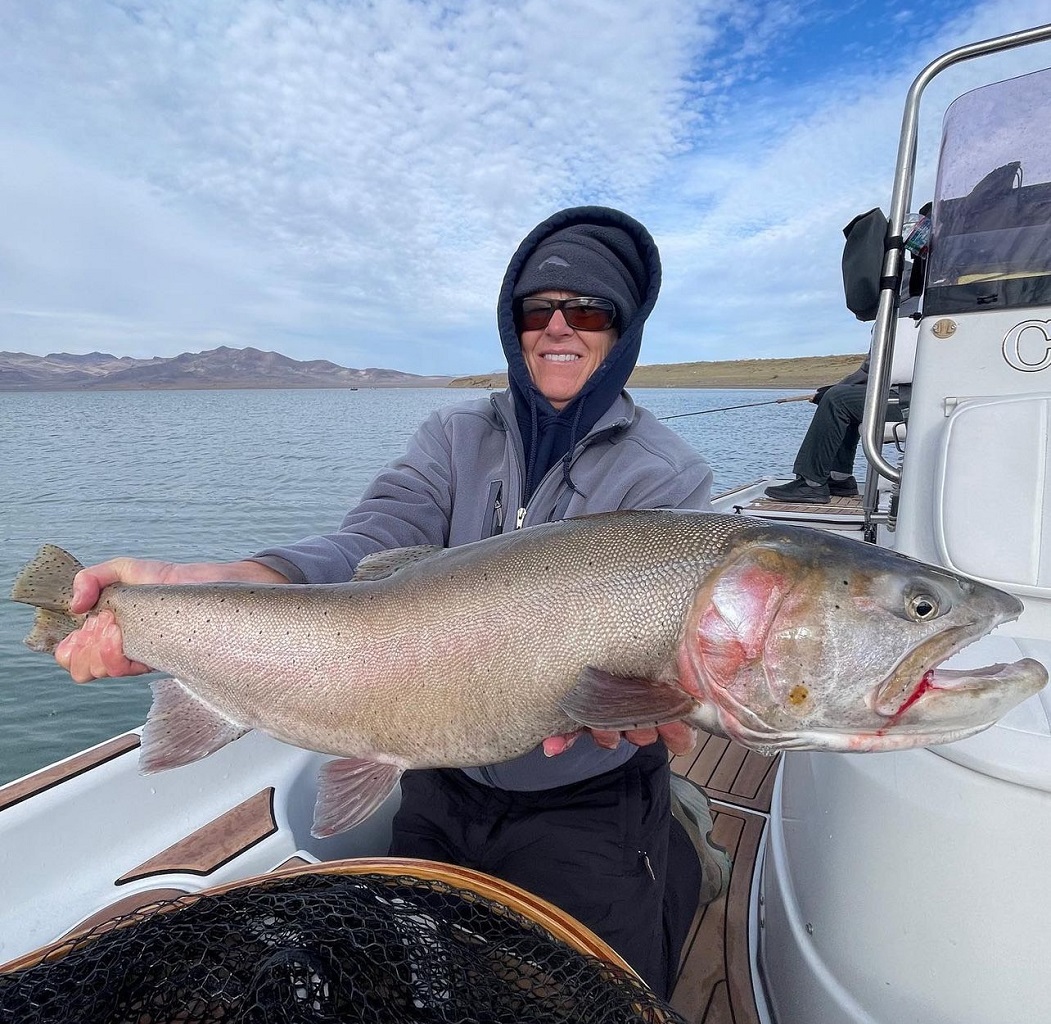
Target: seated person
{"type": "Point", "coordinates": [824, 465]}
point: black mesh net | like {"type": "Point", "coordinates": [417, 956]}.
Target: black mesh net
{"type": "Point", "coordinates": [323, 948]}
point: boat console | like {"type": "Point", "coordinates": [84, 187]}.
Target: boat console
{"type": "Point", "coordinates": [911, 886]}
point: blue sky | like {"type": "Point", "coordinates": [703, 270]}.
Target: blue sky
{"type": "Point", "coordinates": [347, 180]}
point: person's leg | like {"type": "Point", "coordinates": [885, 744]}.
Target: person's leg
{"type": "Point", "coordinates": [605, 850]}
{"type": "Point", "coordinates": [681, 893]}
{"type": "Point", "coordinates": [440, 809]}
{"type": "Point", "coordinates": [831, 441]}
{"type": "Point", "coordinates": [599, 850]}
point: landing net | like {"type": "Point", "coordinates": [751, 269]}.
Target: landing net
{"type": "Point", "coordinates": [319, 948]}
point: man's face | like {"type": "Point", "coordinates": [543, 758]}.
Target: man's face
{"type": "Point", "coordinates": [561, 359]}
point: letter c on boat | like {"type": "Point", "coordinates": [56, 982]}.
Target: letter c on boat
{"type": "Point", "coordinates": [1013, 345]}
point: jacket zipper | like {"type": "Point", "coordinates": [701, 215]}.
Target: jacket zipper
{"type": "Point", "coordinates": [496, 509]}
{"type": "Point", "coordinates": [646, 862]}
{"type": "Point", "coordinates": [583, 443]}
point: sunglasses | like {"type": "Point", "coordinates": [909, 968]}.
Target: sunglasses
{"type": "Point", "coordinates": [582, 313]}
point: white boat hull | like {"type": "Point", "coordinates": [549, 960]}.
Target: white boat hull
{"type": "Point", "coordinates": [101, 836]}
{"type": "Point", "coordinates": [900, 889]}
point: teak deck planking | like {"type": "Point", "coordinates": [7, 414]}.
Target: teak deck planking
{"type": "Point", "coordinates": [715, 977]}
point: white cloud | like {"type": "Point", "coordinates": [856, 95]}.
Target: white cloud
{"type": "Point", "coordinates": [348, 180]}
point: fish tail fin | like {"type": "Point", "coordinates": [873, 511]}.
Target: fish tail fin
{"type": "Point", "coordinates": [180, 729]}
{"type": "Point", "coordinates": [46, 583]}
{"type": "Point", "coordinates": [349, 790]}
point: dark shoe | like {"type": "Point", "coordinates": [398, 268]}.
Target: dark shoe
{"type": "Point", "coordinates": [843, 488]}
{"type": "Point", "coordinates": [693, 810]}
{"type": "Point", "coordinates": [799, 490]}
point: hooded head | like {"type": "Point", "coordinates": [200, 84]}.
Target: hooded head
{"type": "Point", "coordinates": [588, 250]}
{"type": "Point", "coordinates": [589, 259]}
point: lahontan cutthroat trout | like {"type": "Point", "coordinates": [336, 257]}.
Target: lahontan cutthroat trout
{"type": "Point", "coordinates": [774, 636]}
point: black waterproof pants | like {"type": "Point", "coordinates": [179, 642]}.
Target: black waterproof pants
{"type": "Point", "coordinates": [605, 850]}
{"type": "Point", "coordinates": [831, 441]}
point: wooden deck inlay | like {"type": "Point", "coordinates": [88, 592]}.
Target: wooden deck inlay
{"type": "Point", "coordinates": [715, 976]}
{"type": "Point", "coordinates": [47, 778]}
{"type": "Point", "coordinates": [832, 507]}
{"type": "Point", "coordinates": [211, 846]}
{"type": "Point", "coordinates": [730, 773]}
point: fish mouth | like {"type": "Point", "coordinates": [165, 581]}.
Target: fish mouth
{"type": "Point", "coordinates": [917, 676]}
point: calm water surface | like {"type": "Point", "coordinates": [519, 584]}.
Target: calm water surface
{"type": "Point", "coordinates": [201, 475]}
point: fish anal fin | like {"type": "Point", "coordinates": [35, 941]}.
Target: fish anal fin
{"type": "Point", "coordinates": [601, 700]}
{"type": "Point", "coordinates": [181, 729]}
{"type": "Point", "coordinates": [381, 564]}
{"type": "Point", "coordinates": [349, 790]}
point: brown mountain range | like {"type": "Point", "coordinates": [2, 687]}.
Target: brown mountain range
{"type": "Point", "coordinates": [222, 368]}
{"type": "Point", "coordinates": [218, 368]}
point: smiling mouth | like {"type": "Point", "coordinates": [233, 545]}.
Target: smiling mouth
{"type": "Point", "coordinates": [560, 357]}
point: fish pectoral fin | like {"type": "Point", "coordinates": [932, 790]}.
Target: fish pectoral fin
{"type": "Point", "coordinates": [180, 729]}
{"type": "Point", "coordinates": [604, 701]}
{"type": "Point", "coordinates": [349, 790]}
{"type": "Point", "coordinates": [381, 564]}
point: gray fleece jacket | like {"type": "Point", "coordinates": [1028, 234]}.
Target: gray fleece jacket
{"type": "Point", "coordinates": [461, 479]}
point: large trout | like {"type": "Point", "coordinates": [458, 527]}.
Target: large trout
{"type": "Point", "coordinates": [774, 636]}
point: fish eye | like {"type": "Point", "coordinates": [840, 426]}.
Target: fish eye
{"type": "Point", "coordinates": [922, 607]}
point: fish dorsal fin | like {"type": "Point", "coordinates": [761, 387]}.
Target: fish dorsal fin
{"type": "Point", "coordinates": [382, 564]}
{"type": "Point", "coordinates": [601, 700]}
{"type": "Point", "coordinates": [349, 790]}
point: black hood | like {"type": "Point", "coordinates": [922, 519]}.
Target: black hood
{"type": "Point", "coordinates": [550, 434]}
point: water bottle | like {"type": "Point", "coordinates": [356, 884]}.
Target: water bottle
{"type": "Point", "coordinates": [917, 233]}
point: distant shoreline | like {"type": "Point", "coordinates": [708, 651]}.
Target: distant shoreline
{"type": "Point", "coordinates": [799, 372]}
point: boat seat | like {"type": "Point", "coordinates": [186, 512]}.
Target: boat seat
{"type": "Point", "coordinates": [1009, 437]}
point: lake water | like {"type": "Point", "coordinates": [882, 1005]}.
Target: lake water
{"type": "Point", "coordinates": [201, 475]}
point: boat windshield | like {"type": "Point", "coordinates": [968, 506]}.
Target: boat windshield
{"type": "Point", "coordinates": [990, 242]}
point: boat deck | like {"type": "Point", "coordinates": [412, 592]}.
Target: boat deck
{"type": "Point", "coordinates": [833, 507]}
{"type": "Point", "coordinates": [715, 977]}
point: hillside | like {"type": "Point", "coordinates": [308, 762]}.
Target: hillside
{"type": "Point", "coordinates": [217, 368]}
{"type": "Point", "coordinates": [223, 368]}
{"type": "Point", "coordinates": [802, 372]}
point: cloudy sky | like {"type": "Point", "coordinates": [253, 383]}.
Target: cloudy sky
{"type": "Point", "coordinates": [346, 179]}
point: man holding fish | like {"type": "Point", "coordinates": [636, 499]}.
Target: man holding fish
{"type": "Point", "coordinates": [465, 653]}
{"type": "Point", "coordinates": [583, 819]}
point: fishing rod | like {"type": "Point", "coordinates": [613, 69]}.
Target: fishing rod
{"type": "Point", "coordinates": [746, 405]}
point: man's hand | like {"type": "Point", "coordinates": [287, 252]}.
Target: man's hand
{"type": "Point", "coordinates": [678, 737]}
{"type": "Point", "coordinates": [96, 650]}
